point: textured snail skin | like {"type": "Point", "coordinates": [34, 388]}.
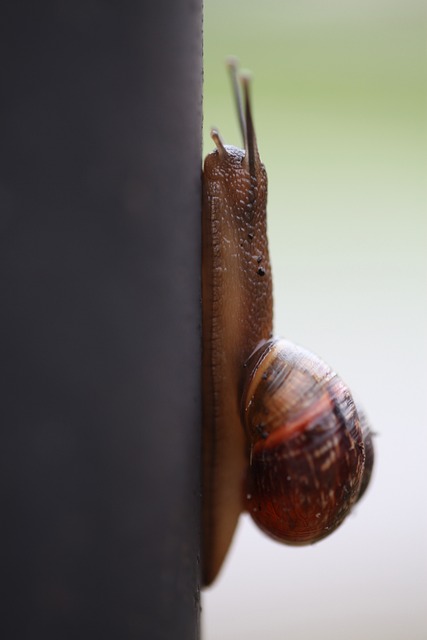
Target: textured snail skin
{"type": "Point", "coordinates": [309, 460]}
{"type": "Point", "coordinates": [237, 314]}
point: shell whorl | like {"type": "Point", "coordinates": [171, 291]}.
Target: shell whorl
{"type": "Point", "coordinates": [310, 454]}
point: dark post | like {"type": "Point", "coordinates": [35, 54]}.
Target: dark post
{"type": "Point", "coordinates": [100, 116]}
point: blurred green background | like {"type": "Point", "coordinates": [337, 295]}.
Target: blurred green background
{"type": "Point", "coordinates": [340, 102]}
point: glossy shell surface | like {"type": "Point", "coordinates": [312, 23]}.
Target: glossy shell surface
{"type": "Point", "coordinates": [310, 454]}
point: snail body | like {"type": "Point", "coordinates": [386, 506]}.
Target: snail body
{"type": "Point", "coordinates": [282, 436]}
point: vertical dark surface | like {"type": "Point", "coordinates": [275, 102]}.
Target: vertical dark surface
{"type": "Point", "coordinates": [100, 117]}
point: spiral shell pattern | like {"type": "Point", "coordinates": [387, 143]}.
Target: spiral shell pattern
{"type": "Point", "coordinates": [310, 453]}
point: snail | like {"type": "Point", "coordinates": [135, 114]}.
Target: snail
{"type": "Point", "coordinates": [282, 436]}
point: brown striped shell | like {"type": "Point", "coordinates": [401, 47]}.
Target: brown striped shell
{"type": "Point", "coordinates": [311, 454]}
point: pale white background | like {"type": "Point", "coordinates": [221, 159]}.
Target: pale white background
{"type": "Point", "coordinates": [340, 98]}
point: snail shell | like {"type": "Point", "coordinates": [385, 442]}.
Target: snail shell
{"type": "Point", "coordinates": [310, 455]}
